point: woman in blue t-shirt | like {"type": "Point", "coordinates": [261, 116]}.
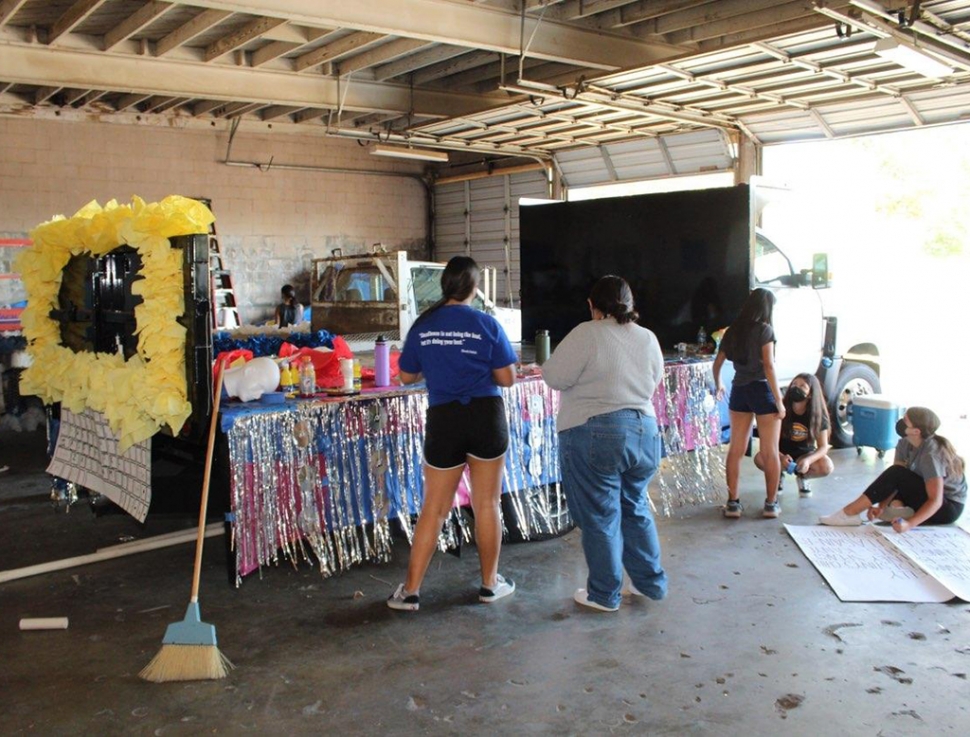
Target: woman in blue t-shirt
{"type": "Point", "coordinates": [750, 345]}
{"type": "Point", "coordinates": [464, 357]}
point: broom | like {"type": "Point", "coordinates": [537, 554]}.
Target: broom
{"type": "Point", "coordinates": [189, 650]}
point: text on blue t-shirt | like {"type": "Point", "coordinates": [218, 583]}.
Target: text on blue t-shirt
{"type": "Point", "coordinates": [456, 347]}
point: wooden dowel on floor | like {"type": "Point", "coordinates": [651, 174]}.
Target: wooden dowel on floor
{"type": "Point", "coordinates": [115, 551]}
{"type": "Point", "coordinates": [43, 623]}
{"type": "Point", "coordinates": [188, 533]}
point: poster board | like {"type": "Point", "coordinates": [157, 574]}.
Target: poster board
{"type": "Point", "coordinates": [875, 563]}
{"type": "Point", "coordinates": [87, 453]}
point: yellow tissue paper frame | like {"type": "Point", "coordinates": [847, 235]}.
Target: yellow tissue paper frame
{"type": "Point", "coordinates": [147, 392]}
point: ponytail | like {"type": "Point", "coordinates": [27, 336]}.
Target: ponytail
{"type": "Point", "coordinates": [954, 463]}
{"type": "Point", "coordinates": [612, 296]}
{"type": "Point", "coordinates": [458, 281]}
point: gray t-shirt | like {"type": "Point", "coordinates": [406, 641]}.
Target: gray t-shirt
{"type": "Point", "coordinates": [742, 346]}
{"type": "Point", "coordinates": [927, 460]}
{"type": "Point", "coordinates": [601, 367]}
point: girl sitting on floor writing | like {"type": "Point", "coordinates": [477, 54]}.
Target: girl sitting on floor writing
{"type": "Point", "coordinates": [926, 477]}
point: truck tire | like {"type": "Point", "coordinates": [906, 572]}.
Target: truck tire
{"type": "Point", "coordinates": [855, 379]}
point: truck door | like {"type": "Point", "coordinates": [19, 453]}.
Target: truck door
{"type": "Point", "coordinates": [798, 319]}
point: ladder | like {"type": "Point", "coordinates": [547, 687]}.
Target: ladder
{"type": "Point", "coordinates": [225, 309]}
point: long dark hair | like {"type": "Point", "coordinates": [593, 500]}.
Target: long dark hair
{"type": "Point", "coordinates": [757, 309]}
{"type": "Point", "coordinates": [612, 296]}
{"type": "Point", "coordinates": [816, 410]}
{"type": "Point", "coordinates": [928, 422]}
{"type": "Point", "coordinates": [458, 280]}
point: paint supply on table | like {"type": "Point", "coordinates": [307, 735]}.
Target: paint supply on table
{"type": "Point", "coordinates": [382, 362]}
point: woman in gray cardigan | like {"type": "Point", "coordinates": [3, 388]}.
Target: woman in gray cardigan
{"type": "Point", "coordinates": [607, 370]}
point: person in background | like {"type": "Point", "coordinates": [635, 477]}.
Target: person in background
{"type": "Point", "coordinates": [289, 311]}
{"type": "Point", "coordinates": [607, 370]}
{"type": "Point", "coordinates": [465, 425]}
{"type": "Point", "coordinates": [926, 484]}
{"type": "Point", "coordinates": [749, 344]}
{"type": "Point", "coordinates": [804, 433]}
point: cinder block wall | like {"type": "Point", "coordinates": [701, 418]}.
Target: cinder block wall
{"type": "Point", "coordinates": [270, 221]}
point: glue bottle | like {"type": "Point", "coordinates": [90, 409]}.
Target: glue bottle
{"type": "Point", "coordinates": [382, 363]}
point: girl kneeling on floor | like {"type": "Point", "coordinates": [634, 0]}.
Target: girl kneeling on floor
{"type": "Point", "coordinates": [926, 481]}
{"type": "Point", "coordinates": [804, 433]}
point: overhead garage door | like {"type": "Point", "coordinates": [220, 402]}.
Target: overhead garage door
{"type": "Point", "coordinates": [480, 218]}
{"type": "Point", "coordinates": [658, 157]}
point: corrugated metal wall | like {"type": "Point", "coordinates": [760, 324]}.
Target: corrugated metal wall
{"type": "Point", "coordinates": [480, 218]}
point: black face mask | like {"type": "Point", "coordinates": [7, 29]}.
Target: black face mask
{"type": "Point", "coordinates": [797, 395]}
{"type": "Point", "coordinates": [901, 427]}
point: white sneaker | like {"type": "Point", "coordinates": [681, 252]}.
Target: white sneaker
{"type": "Point", "coordinates": [840, 519]}
{"type": "Point", "coordinates": [403, 601]}
{"type": "Point", "coordinates": [582, 597]}
{"type": "Point", "coordinates": [633, 590]}
{"type": "Point", "coordinates": [502, 588]}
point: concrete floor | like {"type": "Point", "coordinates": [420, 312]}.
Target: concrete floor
{"type": "Point", "coordinates": [751, 640]}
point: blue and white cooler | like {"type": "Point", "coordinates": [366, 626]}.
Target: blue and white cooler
{"type": "Point", "coordinates": [874, 418]}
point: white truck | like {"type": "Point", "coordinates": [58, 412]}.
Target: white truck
{"type": "Point", "coordinates": [363, 296]}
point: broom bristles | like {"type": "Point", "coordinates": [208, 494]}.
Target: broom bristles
{"type": "Point", "coordinates": [187, 663]}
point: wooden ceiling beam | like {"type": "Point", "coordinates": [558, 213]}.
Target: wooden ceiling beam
{"type": "Point", "coordinates": [462, 24]}
{"type": "Point", "coordinates": [340, 47]}
{"type": "Point", "coordinates": [420, 60]}
{"type": "Point", "coordinates": [57, 66]}
{"type": "Point", "coordinates": [72, 17]}
{"type": "Point", "coordinates": [384, 53]}
{"type": "Point", "coordinates": [134, 23]}
{"type": "Point", "coordinates": [187, 31]}
{"type": "Point", "coordinates": [239, 38]}
{"type": "Point", "coordinates": [8, 8]}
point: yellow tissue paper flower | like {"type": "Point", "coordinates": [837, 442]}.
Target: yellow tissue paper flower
{"type": "Point", "coordinates": [147, 392]}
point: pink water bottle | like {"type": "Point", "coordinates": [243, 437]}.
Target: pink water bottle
{"type": "Point", "coordinates": [382, 362]}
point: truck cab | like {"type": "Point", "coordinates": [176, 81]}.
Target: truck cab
{"type": "Point", "coordinates": [810, 339]}
{"type": "Point", "coordinates": [381, 293]}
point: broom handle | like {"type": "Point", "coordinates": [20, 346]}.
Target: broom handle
{"type": "Point", "coordinates": [200, 538]}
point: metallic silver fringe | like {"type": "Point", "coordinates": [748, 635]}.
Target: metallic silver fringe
{"type": "Point", "coordinates": [325, 481]}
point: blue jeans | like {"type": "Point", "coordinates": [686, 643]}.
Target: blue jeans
{"type": "Point", "coordinates": [606, 467]}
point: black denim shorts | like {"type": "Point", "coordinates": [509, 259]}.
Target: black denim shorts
{"type": "Point", "coordinates": [754, 397]}
{"type": "Point", "coordinates": [454, 431]}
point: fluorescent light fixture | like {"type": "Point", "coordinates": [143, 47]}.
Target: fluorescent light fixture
{"type": "Point", "coordinates": [407, 152]}
{"type": "Point", "coordinates": [911, 58]}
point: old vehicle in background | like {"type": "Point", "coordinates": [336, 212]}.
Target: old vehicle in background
{"type": "Point", "coordinates": [366, 295]}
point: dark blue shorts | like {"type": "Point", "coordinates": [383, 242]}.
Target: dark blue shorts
{"type": "Point", "coordinates": [755, 397]}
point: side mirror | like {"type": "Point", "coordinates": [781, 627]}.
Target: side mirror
{"type": "Point", "coordinates": [821, 278]}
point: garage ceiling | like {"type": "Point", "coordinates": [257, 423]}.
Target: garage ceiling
{"type": "Point", "coordinates": [490, 77]}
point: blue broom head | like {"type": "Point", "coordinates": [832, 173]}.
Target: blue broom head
{"type": "Point", "coordinates": [191, 630]}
